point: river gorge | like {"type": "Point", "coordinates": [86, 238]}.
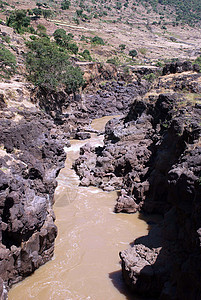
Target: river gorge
{"type": "Point", "coordinates": [86, 263]}
{"type": "Point", "coordinates": [146, 161]}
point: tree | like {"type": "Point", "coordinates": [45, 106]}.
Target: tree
{"type": "Point", "coordinates": [37, 12]}
{"type": "Point", "coordinates": [64, 40]}
{"type": "Point", "coordinates": [47, 13]}
{"type": "Point", "coordinates": [97, 40]}
{"type": "Point", "coordinates": [86, 55]}
{"type": "Point", "coordinates": [60, 37]}
{"type": "Point", "coordinates": [7, 62]}
{"type": "Point", "coordinates": [122, 47]}
{"type": "Point", "coordinates": [65, 4]}
{"type": "Point", "coordinates": [18, 20]}
{"type": "Point", "coordinates": [72, 47]}
{"type": "Point", "coordinates": [49, 67]}
{"type": "Point", "coordinates": [133, 53]}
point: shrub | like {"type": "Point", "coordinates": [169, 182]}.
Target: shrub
{"type": "Point", "coordinates": [49, 67]}
{"type": "Point", "coordinates": [41, 29]}
{"type": "Point", "coordinates": [31, 30]}
{"type": "Point", "coordinates": [133, 53]}
{"type": "Point", "coordinates": [7, 62]}
{"type": "Point", "coordinates": [63, 40]}
{"type": "Point", "coordinates": [18, 20]}
{"type": "Point", "coordinates": [97, 40]}
{"type": "Point", "coordinates": [113, 61]}
{"type": "Point", "coordinates": [150, 77]}
{"type": "Point", "coordinates": [65, 4]}
{"type": "Point", "coordinates": [122, 47]}
{"type": "Point", "coordinates": [47, 13]}
{"type": "Point", "coordinates": [198, 61]}
{"type": "Point", "coordinates": [86, 55]}
{"type": "Point", "coordinates": [37, 12]}
{"type": "Point", "coordinates": [72, 47]}
{"type": "Point", "coordinates": [5, 38]}
{"type": "Point", "coordinates": [143, 51]}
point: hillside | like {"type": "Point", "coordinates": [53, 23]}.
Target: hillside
{"type": "Point", "coordinates": [153, 30]}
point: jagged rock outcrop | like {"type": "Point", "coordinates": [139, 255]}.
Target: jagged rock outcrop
{"type": "Point", "coordinates": [179, 67]}
{"type": "Point", "coordinates": [74, 111]}
{"type": "Point", "coordinates": [113, 98]}
{"type": "Point", "coordinates": [154, 153]}
{"type": "Point", "coordinates": [31, 156]}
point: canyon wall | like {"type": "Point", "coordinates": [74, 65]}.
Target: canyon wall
{"type": "Point", "coordinates": [31, 157]}
{"type": "Point", "coordinates": [153, 156]}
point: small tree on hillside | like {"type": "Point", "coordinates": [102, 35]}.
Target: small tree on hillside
{"type": "Point", "coordinates": [133, 53]}
{"type": "Point", "coordinates": [65, 4]}
{"type": "Point", "coordinates": [49, 67]}
{"type": "Point", "coordinates": [122, 47]}
{"type": "Point", "coordinates": [7, 62]}
{"type": "Point", "coordinates": [18, 20]}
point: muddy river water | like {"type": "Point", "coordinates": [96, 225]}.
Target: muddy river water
{"type": "Point", "coordinates": [86, 264]}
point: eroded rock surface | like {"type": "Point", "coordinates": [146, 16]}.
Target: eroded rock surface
{"type": "Point", "coordinates": [154, 156]}
{"type": "Point", "coordinates": [31, 157]}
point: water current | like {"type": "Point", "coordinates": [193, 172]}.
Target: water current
{"type": "Point", "coordinates": [86, 264]}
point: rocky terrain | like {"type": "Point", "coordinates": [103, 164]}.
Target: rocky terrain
{"type": "Point", "coordinates": [154, 153]}
{"type": "Point", "coordinates": [31, 157]}
{"type": "Point", "coordinates": [36, 124]}
{"type": "Point", "coordinates": [151, 154]}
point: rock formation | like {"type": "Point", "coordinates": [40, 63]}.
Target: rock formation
{"type": "Point", "coordinates": [154, 156]}
{"type": "Point", "coordinates": [31, 158]}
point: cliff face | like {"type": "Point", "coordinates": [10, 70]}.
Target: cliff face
{"type": "Point", "coordinates": [154, 153]}
{"type": "Point", "coordinates": [31, 158]}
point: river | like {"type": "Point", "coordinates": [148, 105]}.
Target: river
{"type": "Point", "coordinates": [86, 264]}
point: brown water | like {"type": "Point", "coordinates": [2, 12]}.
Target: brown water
{"type": "Point", "coordinates": [86, 264]}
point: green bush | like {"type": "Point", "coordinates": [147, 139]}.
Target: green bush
{"type": "Point", "coordinates": [122, 47]}
{"type": "Point", "coordinates": [47, 13]}
{"type": "Point", "coordinates": [49, 67]}
{"type": "Point", "coordinates": [31, 30]}
{"type": "Point", "coordinates": [113, 61]}
{"type": "Point", "coordinates": [7, 62]}
{"type": "Point", "coordinates": [198, 61]}
{"type": "Point", "coordinates": [37, 12]}
{"type": "Point", "coordinates": [133, 53]}
{"type": "Point", "coordinates": [65, 4]}
{"type": "Point", "coordinates": [41, 30]}
{"type": "Point", "coordinates": [64, 40]}
{"type": "Point", "coordinates": [18, 20]}
{"type": "Point", "coordinates": [150, 77]}
{"type": "Point", "coordinates": [5, 38]}
{"type": "Point", "coordinates": [97, 40]}
{"type": "Point", "coordinates": [86, 55]}
{"type": "Point", "coordinates": [72, 47]}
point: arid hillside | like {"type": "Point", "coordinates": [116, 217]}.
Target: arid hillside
{"type": "Point", "coordinates": [156, 33]}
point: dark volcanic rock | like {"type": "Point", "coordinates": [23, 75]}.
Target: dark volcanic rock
{"type": "Point", "coordinates": [177, 67]}
{"type": "Point", "coordinates": [113, 98]}
{"type": "Point", "coordinates": [82, 135]}
{"type": "Point", "coordinates": [30, 161]}
{"type": "Point", "coordinates": [154, 156]}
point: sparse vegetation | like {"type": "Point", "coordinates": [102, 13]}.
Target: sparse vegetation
{"type": "Point", "coordinates": [133, 53]}
{"type": "Point", "coordinates": [19, 20]}
{"type": "Point", "coordinates": [49, 67]}
{"type": "Point", "coordinates": [86, 55]}
{"type": "Point", "coordinates": [113, 61]}
{"type": "Point", "coordinates": [7, 62]}
{"type": "Point", "coordinates": [97, 40]}
{"type": "Point", "coordinates": [150, 77]}
{"type": "Point", "coordinates": [65, 40]}
{"type": "Point", "coordinates": [198, 61]}
{"type": "Point", "coordinates": [122, 47]}
{"type": "Point", "coordinates": [65, 4]}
